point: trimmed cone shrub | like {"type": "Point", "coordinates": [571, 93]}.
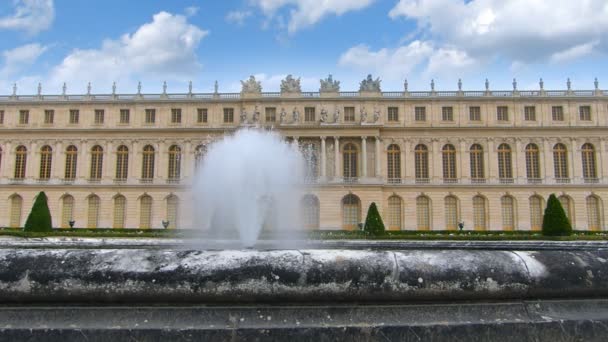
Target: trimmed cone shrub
{"type": "Point", "coordinates": [555, 221]}
{"type": "Point", "coordinates": [39, 219]}
{"type": "Point", "coordinates": [373, 221]}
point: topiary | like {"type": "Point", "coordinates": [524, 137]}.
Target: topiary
{"type": "Point", "coordinates": [39, 219]}
{"type": "Point", "coordinates": [555, 221]}
{"type": "Point", "coordinates": [373, 222]}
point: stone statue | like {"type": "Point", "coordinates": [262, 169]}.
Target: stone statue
{"type": "Point", "coordinates": [459, 84]}
{"type": "Point", "coordinates": [514, 85]}
{"type": "Point", "coordinates": [243, 115]}
{"type": "Point", "coordinates": [14, 89]}
{"type": "Point", "coordinates": [39, 88]}
{"type": "Point", "coordinates": [432, 85]}
{"type": "Point", "coordinates": [190, 87]}
{"type": "Point", "coordinates": [256, 114]}
{"type": "Point", "coordinates": [370, 84]}
{"type": "Point", "coordinates": [323, 115]}
{"type": "Point", "coordinates": [329, 85]}
{"type": "Point", "coordinates": [405, 85]}
{"type": "Point", "coordinates": [337, 115]}
{"type": "Point", "coordinates": [376, 114]}
{"type": "Point", "coordinates": [89, 88]}
{"type": "Point", "coordinates": [296, 115]}
{"type": "Point", "coordinates": [290, 85]}
{"type": "Point", "coordinates": [363, 114]}
{"type": "Point", "coordinates": [215, 87]}
{"type": "Point", "coordinates": [596, 84]}
{"type": "Point", "coordinates": [541, 84]}
{"type": "Point", "coordinates": [113, 88]}
{"type": "Point", "coordinates": [283, 115]}
{"type": "Point", "coordinates": [251, 85]}
{"type": "Point", "coordinates": [487, 85]}
{"type": "Point", "coordinates": [569, 84]}
{"type": "Point", "coordinates": [164, 87]}
{"type": "Point", "coordinates": [139, 88]}
{"type": "Point", "coordinates": [64, 89]}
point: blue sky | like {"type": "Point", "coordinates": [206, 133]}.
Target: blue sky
{"type": "Point", "coordinates": [151, 41]}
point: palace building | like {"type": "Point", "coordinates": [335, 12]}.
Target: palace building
{"type": "Point", "coordinates": [429, 159]}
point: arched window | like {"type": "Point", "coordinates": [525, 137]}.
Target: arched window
{"type": "Point", "coordinates": [594, 214]}
{"type": "Point", "coordinates": [532, 162]}
{"type": "Point", "coordinates": [480, 221]}
{"type": "Point", "coordinates": [145, 212]}
{"type": "Point", "coordinates": [147, 168]}
{"type": "Point", "coordinates": [96, 162]}
{"type": "Point", "coordinates": [421, 162]}
{"type": "Point", "coordinates": [451, 212]}
{"type": "Point", "coordinates": [93, 213]}
{"type": "Point", "coordinates": [46, 160]}
{"type": "Point", "coordinates": [20, 161]}
{"type": "Point", "coordinates": [423, 213]}
{"type": "Point", "coordinates": [351, 212]}
{"type": "Point", "coordinates": [71, 162]}
{"type": "Point", "coordinates": [394, 212]}
{"type": "Point", "coordinates": [477, 167]}
{"type": "Point", "coordinates": [560, 161]}
{"type": "Point", "coordinates": [199, 156]}
{"type": "Point", "coordinates": [310, 211]}
{"type": "Point", "coordinates": [122, 162]}
{"type": "Point", "coordinates": [16, 208]}
{"type": "Point", "coordinates": [505, 170]}
{"type": "Point", "coordinates": [448, 153]}
{"type": "Point", "coordinates": [507, 205]}
{"type": "Point", "coordinates": [567, 205]}
{"type": "Point", "coordinates": [175, 160]}
{"type": "Point", "coordinates": [120, 211]}
{"type": "Point", "coordinates": [350, 161]}
{"type": "Point", "coordinates": [67, 210]}
{"type": "Point", "coordinates": [172, 211]}
{"type": "Point", "coordinates": [394, 163]}
{"type": "Point", "coordinates": [536, 212]}
{"type": "Point", "coordinates": [588, 158]}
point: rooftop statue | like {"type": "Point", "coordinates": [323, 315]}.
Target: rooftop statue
{"type": "Point", "coordinates": [290, 85]}
{"type": "Point", "coordinates": [251, 85]}
{"type": "Point", "coordinates": [329, 85]}
{"type": "Point", "coordinates": [370, 84]}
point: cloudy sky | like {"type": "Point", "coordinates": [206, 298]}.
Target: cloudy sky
{"type": "Point", "coordinates": [177, 41]}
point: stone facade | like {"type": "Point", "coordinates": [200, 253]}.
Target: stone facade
{"type": "Point", "coordinates": [428, 159]}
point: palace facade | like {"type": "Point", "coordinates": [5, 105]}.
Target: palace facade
{"type": "Point", "coordinates": [428, 159]}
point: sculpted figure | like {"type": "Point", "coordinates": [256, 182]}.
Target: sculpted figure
{"type": "Point", "coordinates": [296, 115]}
{"type": "Point", "coordinates": [290, 85]}
{"type": "Point", "coordinates": [323, 115]}
{"type": "Point", "coordinates": [329, 85]}
{"type": "Point", "coordinates": [243, 115]}
{"type": "Point", "coordinates": [363, 114]}
{"type": "Point", "coordinates": [336, 115]}
{"type": "Point", "coordinates": [251, 85]}
{"type": "Point", "coordinates": [256, 114]}
{"type": "Point", "coordinates": [283, 115]}
{"type": "Point", "coordinates": [376, 114]}
{"type": "Point", "coordinates": [369, 84]}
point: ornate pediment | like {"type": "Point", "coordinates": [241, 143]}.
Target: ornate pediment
{"type": "Point", "coordinates": [290, 85]}
{"type": "Point", "coordinates": [369, 84]}
{"type": "Point", "coordinates": [251, 85]}
{"type": "Point", "coordinates": [329, 85]}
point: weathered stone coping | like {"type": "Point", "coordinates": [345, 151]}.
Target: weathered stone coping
{"type": "Point", "coordinates": [306, 276]}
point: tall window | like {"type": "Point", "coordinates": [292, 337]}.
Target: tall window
{"type": "Point", "coordinates": [24, 117]}
{"type": "Point", "coordinates": [588, 158]}
{"type": "Point", "coordinates": [448, 154]}
{"type": "Point", "coordinates": [150, 116]}
{"type": "Point", "coordinates": [309, 114]}
{"type": "Point", "coordinates": [201, 115]}
{"type": "Point", "coordinates": [125, 116]}
{"type": "Point", "coordinates": [502, 113]}
{"type": "Point", "coordinates": [351, 212]}
{"type": "Point", "coordinates": [46, 160]}
{"type": "Point", "coordinates": [394, 163]}
{"type": "Point", "coordinates": [175, 161]}
{"type": "Point", "coordinates": [585, 113]}
{"type": "Point", "coordinates": [349, 114]}
{"type": "Point", "coordinates": [16, 208]}
{"type": "Point", "coordinates": [67, 210]}
{"type": "Point", "coordinates": [99, 116]}
{"type": "Point", "coordinates": [447, 113]}
{"type": "Point", "coordinates": [451, 212]}
{"type": "Point", "coordinates": [594, 218]}
{"type": "Point", "coordinates": [122, 162]}
{"type": "Point", "coordinates": [505, 171]}
{"type": "Point", "coordinates": [310, 211]}
{"type": "Point", "coordinates": [530, 113]}
{"type": "Point", "coordinates": [147, 168]}
{"type": "Point", "coordinates": [228, 115]}
{"type": "Point", "coordinates": [507, 206]}
{"type": "Point", "coordinates": [199, 156]}
{"type": "Point", "coordinates": [479, 213]}
{"type": "Point", "coordinates": [172, 211]}
{"type": "Point", "coordinates": [393, 114]}
{"type": "Point", "coordinates": [532, 162]}
{"type": "Point", "coordinates": [1, 117]}
{"type": "Point", "coordinates": [93, 213]}
{"type": "Point", "coordinates": [477, 165]}
{"type": "Point", "coordinates": [560, 161]}
{"type": "Point", "coordinates": [176, 115]}
{"type": "Point", "coordinates": [567, 205]}
{"type": "Point", "coordinates": [421, 162]}
{"type": "Point", "coordinates": [74, 116]}
{"type": "Point", "coordinates": [423, 213]}
{"type": "Point", "coordinates": [536, 212]}
{"type": "Point", "coordinates": [71, 162]}
{"type": "Point", "coordinates": [420, 113]}
{"type": "Point", "coordinates": [145, 212]}
{"type": "Point", "coordinates": [557, 113]}
{"type": "Point", "coordinates": [49, 116]}
{"type": "Point", "coordinates": [350, 161]}
{"type": "Point", "coordinates": [394, 212]}
{"type": "Point", "coordinates": [475, 113]}
{"type": "Point", "coordinates": [20, 162]}
{"type": "Point", "coordinates": [120, 211]}
{"type": "Point", "coordinates": [96, 162]}
{"type": "Point", "coordinates": [270, 114]}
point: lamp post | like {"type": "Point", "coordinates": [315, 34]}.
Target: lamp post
{"type": "Point", "coordinates": [71, 223]}
{"type": "Point", "coordinates": [165, 224]}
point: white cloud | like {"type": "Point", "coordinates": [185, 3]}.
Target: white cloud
{"type": "Point", "coordinates": [191, 11]}
{"type": "Point", "coordinates": [19, 58]}
{"type": "Point", "coordinates": [448, 60]}
{"type": "Point", "coordinates": [237, 17]}
{"type": "Point", "coordinates": [305, 13]}
{"type": "Point", "coordinates": [574, 52]}
{"type": "Point", "coordinates": [31, 16]}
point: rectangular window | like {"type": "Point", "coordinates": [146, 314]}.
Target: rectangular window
{"type": "Point", "coordinates": [585, 113]}
{"type": "Point", "coordinates": [393, 114]}
{"type": "Point", "coordinates": [24, 117]}
{"type": "Point", "coordinates": [502, 113]}
{"type": "Point", "coordinates": [530, 113]}
{"type": "Point", "coordinates": [420, 113]}
{"type": "Point", "coordinates": [125, 116]}
{"type": "Point", "coordinates": [1, 117]}
{"type": "Point", "coordinates": [201, 115]}
{"type": "Point", "coordinates": [447, 114]}
{"type": "Point", "coordinates": [99, 116]}
{"type": "Point", "coordinates": [228, 115]}
{"type": "Point", "coordinates": [309, 114]}
{"type": "Point", "coordinates": [49, 116]}
{"type": "Point", "coordinates": [475, 113]}
{"type": "Point", "coordinates": [271, 114]}
{"type": "Point", "coordinates": [176, 115]}
{"type": "Point", "coordinates": [557, 113]}
{"type": "Point", "coordinates": [74, 116]}
{"type": "Point", "coordinates": [150, 116]}
{"type": "Point", "coordinates": [349, 114]}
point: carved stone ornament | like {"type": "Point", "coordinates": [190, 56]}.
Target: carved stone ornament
{"type": "Point", "coordinates": [283, 115]}
{"type": "Point", "coordinates": [376, 114]}
{"type": "Point", "coordinates": [323, 115]}
{"type": "Point", "coordinates": [369, 84]}
{"type": "Point", "coordinates": [243, 115]}
{"type": "Point", "coordinates": [251, 85]}
{"type": "Point", "coordinates": [256, 114]}
{"type": "Point", "coordinates": [296, 115]}
{"type": "Point", "coordinates": [290, 85]}
{"type": "Point", "coordinates": [330, 85]}
{"type": "Point", "coordinates": [363, 114]}
{"type": "Point", "coordinates": [337, 115]}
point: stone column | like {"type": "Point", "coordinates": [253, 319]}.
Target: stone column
{"type": "Point", "coordinates": [134, 160]}
{"type": "Point", "coordinates": [108, 169]}
{"type": "Point", "coordinates": [403, 153]}
{"type": "Point", "coordinates": [187, 161]}
{"type": "Point", "coordinates": [336, 157]}
{"type": "Point", "coordinates": [602, 160]}
{"type": "Point", "coordinates": [323, 159]}
{"type": "Point", "coordinates": [520, 161]}
{"type": "Point", "coordinates": [33, 162]}
{"type": "Point", "coordinates": [491, 160]}
{"type": "Point", "coordinates": [58, 160]}
{"type": "Point", "coordinates": [162, 159]}
{"type": "Point", "coordinates": [7, 168]}
{"type": "Point", "coordinates": [548, 166]}
{"type": "Point", "coordinates": [575, 157]}
{"type": "Point", "coordinates": [82, 168]}
{"type": "Point", "coordinates": [364, 156]}
{"type": "Point", "coordinates": [409, 160]}
{"type": "Point", "coordinates": [378, 155]}
{"type": "Point", "coordinates": [436, 173]}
